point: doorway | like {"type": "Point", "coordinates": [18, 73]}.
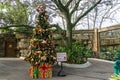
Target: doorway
{"type": "Point", "coordinates": [10, 48]}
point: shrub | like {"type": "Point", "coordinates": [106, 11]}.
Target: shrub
{"type": "Point", "coordinates": [77, 55]}
{"type": "Point", "coordinates": [109, 54]}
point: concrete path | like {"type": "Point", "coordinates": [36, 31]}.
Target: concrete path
{"type": "Point", "coordinates": [17, 69]}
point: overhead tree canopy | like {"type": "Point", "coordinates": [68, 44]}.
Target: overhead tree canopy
{"type": "Point", "coordinates": [14, 14]}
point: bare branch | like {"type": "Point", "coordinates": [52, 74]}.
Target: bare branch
{"type": "Point", "coordinates": [85, 13]}
{"type": "Point", "coordinates": [104, 16]}
{"type": "Point", "coordinates": [53, 7]}
{"type": "Point", "coordinates": [75, 8]}
{"type": "Point", "coordinates": [56, 3]}
{"type": "Point", "coordinates": [59, 5]}
{"type": "Point", "coordinates": [68, 3]}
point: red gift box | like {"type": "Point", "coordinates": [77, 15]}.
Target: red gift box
{"type": "Point", "coordinates": [46, 70]}
{"type": "Point", "coordinates": [43, 71]}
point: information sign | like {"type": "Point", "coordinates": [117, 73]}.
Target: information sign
{"type": "Point", "coordinates": [61, 56]}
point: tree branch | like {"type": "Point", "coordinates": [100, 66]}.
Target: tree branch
{"type": "Point", "coordinates": [75, 7]}
{"type": "Point", "coordinates": [59, 4]}
{"type": "Point", "coordinates": [56, 3]}
{"type": "Point", "coordinates": [68, 3]}
{"type": "Point", "coordinates": [16, 26]}
{"type": "Point", "coordinates": [57, 26]}
{"type": "Point", "coordinates": [85, 13]}
{"type": "Point", "coordinates": [62, 7]}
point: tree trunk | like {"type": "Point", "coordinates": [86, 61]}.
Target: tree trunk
{"type": "Point", "coordinates": [69, 37]}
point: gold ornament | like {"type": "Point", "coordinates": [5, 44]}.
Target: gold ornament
{"type": "Point", "coordinates": [40, 52]}
{"type": "Point", "coordinates": [41, 8]}
{"type": "Point", "coordinates": [34, 31]}
{"type": "Point", "coordinates": [37, 21]}
{"type": "Point", "coordinates": [34, 39]}
{"type": "Point", "coordinates": [43, 58]}
{"type": "Point", "coordinates": [32, 59]}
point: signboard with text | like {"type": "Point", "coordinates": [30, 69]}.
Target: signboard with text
{"type": "Point", "coordinates": [61, 56]}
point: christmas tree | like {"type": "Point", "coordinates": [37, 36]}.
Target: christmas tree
{"type": "Point", "coordinates": [42, 50]}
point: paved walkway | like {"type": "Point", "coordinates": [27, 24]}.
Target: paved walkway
{"type": "Point", "coordinates": [17, 69]}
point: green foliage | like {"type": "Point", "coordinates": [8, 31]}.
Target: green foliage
{"type": "Point", "coordinates": [61, 49]}
{"type": "Point", "coordinates": [118, 50]}
{"type": "Point", "coordinates": [23, 30]}
{"type": "Point", "coordinates": [14, 14]}
{"type": "Point", "coordinates": [77, 55]}
{"type": "Point", "coordinates": [57, 37]}
{"type": "Point", "coordinates": [109, 54]}
{"type": "Point", "coordinates": [115, 77]}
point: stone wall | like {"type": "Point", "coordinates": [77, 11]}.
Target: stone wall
{"type": "Point", "coordinates": [23, 45]}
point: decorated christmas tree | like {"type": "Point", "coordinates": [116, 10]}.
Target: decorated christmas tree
{"type": "Point", "coordinates": [42, 50]}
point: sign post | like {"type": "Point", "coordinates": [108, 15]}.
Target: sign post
{"type": "Point", "coordinates": [61, 57]}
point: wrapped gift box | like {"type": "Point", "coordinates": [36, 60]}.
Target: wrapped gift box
{"type": "Point", "coordinates": [42, 71]}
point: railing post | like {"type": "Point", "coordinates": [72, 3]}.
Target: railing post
{"type": "Point", "coordinates": [96, 44]}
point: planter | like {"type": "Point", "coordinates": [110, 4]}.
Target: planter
{"type": "Point", "coordinates": [85, 65]}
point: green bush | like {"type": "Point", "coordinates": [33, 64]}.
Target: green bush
{"type": "Point", "coordinates": [77, 55]}
{"type": "Point", "coordinates": [109, 54]}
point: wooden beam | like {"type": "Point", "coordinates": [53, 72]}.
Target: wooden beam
{"type": "Point", "coordinates": [109, 28]}
{"type": "Point", "coordinates": [82, 31]}
{"type": "Point", "coordinates": [96, 45]}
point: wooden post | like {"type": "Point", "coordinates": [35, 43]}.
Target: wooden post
{"type": "Point", "coordinates": [96, 47]}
